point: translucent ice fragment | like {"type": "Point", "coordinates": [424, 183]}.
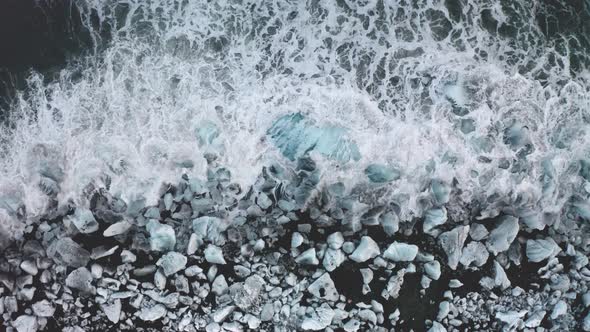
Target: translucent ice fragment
{"type": "Point", "coordinates": [434, 218]}
{"type": "Point", "coordinates": [441, 191]}
{"type": "Point", "coordinates": [379, 173]}
{"type": "Point", "coordinates": [162, 237]}
{"type": "Point", "coordinates": [84, 221]}
{"type": "Point", "coordinates": [207, 132]}
{"type": "Point", "coordinates": [538, 250]}
{"type": "Point", "coordinates": [502, 236]}
{"type": "Point", "coordinates": [295, 136]}
{"type": "Point", "coordinates": [172, 262]}
{"type": "Point", "coordinates": [367, 249]}
{"type": "Point", "coordinates": [401, 252]}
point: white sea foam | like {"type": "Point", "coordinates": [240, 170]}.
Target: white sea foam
{"type": "Point", "coordinates": [401, 86]}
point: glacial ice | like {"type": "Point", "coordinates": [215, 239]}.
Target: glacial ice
{"type": "Point", "coordinates": [379, 173]}
{"type": "Point", "coordinates": [538, 250]}
{"type": "Point", "coordinates": [452, 244]}
{"type": "Point", "coordinates": [401, 252]}
{"type": "Point", "coordinates": [295, 136]}
{"type": "Point", "coordinates": [162, 237]}
{"type": "Point", "coordinates": [172, 262]}
{"type": "Point", "coordinates": [502, 236]}
{"type": "Point", "coordinates": [84, 221]}
{"type": "Point", "coordinates": [367, 249]}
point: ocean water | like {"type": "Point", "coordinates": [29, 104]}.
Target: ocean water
{"type": "Point", "coordinates": [488, 100]}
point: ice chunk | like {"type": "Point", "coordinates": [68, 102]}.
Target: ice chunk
{"type": "Point", "coordinates": [308, 257]}
{"type": "Point", "coordinates": [437, 327]}
{"type": "Point", "coordinates": [25, 323]}
{"type": "Point", "coordinates": [153, 313]}
{"type": "Point", "coordinates": [84, 221]}
{"type": "Point", "coordinates": [296, 240]}
{"type": "Point", "coordinates": [434, 218]}
{"type": "Point", "coordinates": [80, 279]}
{"type": "Point", "coordinates": [474, 252]}
{"type": "Point", "coordinates": [333, 258]}
{"type": "Point", "coordinates": [502, 236]}
{"type": "Point", "coordinates": [452, 244]}
{"type": "Point", "coordinates": [208, 228]}
{"type": "Point", "coordinates": [441, 191]}
{"type": "Point", "coordinates": [335, 240]}
{"type": "Point", "coordinates": [68, 252]}
{"type": "Point", "coordinates": [390, 223]}
{"type": "Point", "coordinates": [246, 294]}
{"type": "Point", "coordinates": [535, 319]}
{"type": "Point", "coordinates": [367, 249]}
{"type": "Point", "coordinates": [511, 318]}
{"type": "Point", "coordinates": [172, 262]}
{"type": "Point", "coordinates": [295, 136]}
{"type": "Point", "coordinates": [219, 285]}
{"type": "Point", "coordinates": [378, 173]}
{"type": "Point", "coordinates": [43, 309]}
{"type": "Point", "coordinates": [432, 270]}
{"type": "Point", "coordinates": [324, 288]}
{"type": "Point", "coordinates": [112, 310]}
{"type": "Point", "coordinates": [214, 255]}
{"type": "Point", "coordinates": [207, 132]}
{"type": "Point", "coordinates": [263, 201]}
{"type": "Point", "coordinates": [320, 319]}
{"type": "Point", "coordinates": [478, 232]}
{"type": "Point", "coordinates": [162, 237]}
{"type": "Point", "coordinates": [221, 314]}
{"type": "Point", "coordinates": [117, 228]}
{"type": "Point", "coordinates": [586, 322]}
{"type": "Point", "coordinates": [401, 252]}
{"type": "Point", "coordinates": [538, 250]}
{"type": "Point", "coordinates": [559, 309]}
